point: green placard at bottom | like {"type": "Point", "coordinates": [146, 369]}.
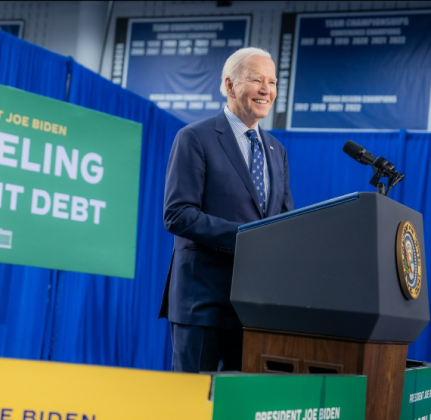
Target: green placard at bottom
{"type": "Point", "coordinates": [290, 397]}
{"type": "Point", "coordinates": [416, 404]}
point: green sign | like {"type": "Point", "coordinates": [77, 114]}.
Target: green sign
{"type": "Point", "coordinates": [69, 184]}
{"type": "Point", "coordinates": [416, 403]}
{"type": "Point", "coordinates": [290, 397]}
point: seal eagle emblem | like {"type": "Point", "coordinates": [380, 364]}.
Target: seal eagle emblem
{"type": "Point", "coordinates": [409, 261]}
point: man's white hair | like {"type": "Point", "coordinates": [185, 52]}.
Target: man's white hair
{"type": "Point", "coordinates": [234, 67]}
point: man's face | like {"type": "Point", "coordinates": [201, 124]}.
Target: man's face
{"type": "Point", "coordinates": [251, 98]}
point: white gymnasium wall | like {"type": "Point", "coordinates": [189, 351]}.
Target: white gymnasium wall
{"type": "Point", "coordinates": [76, 28]}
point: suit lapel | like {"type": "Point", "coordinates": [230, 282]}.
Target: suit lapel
{"type": "Point", "coordinates": [231, 148]}
{"type": "Point", "coordinates": [270, 162]}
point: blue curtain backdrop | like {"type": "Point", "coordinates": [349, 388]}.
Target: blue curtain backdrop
{"type": "Point", "coordinates": [25, 291]}
{"type": "Point", "coordinates": [27, 67]}
{"type": "Point", "coordinates": [113, 321]}
{"type": "Point", "coordinates": [75, 317]}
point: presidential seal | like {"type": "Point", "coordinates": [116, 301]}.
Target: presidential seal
{"type": "Point", "coordinates": [409, 260]}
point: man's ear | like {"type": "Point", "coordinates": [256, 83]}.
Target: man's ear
{"type": "Point", "coordinates": [229, 88]}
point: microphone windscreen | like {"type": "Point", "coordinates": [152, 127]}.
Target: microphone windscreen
{"type": "Point", "coordinates": [352, 148]}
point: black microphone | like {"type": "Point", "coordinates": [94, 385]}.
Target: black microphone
{"type": "Point", "coordinates": [382, 168]}
{"type": "Point", "coordinates": [359, 153]}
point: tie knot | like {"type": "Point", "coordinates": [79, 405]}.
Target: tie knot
{"type": "Point", "coordinates": [251, 134]}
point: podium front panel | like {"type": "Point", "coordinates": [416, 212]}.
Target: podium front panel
{"type": "Point", "coordinates": [330, 272]}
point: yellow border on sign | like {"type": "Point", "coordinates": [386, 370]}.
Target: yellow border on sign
{"type": "Point", "coordinates": [100, 393]}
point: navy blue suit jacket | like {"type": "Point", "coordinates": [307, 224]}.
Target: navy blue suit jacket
{"type": "Point", "coordinates": [208, 195]}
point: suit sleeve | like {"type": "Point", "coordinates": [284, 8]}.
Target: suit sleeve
{"type": "Point", "coordinates": [184, 191]}
{"type": "Point", "coordinates": [287, 204]}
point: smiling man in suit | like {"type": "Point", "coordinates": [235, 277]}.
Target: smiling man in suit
{"type": "Point", "coordinates": [222, 172]}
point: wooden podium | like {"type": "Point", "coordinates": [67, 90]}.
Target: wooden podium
{"type": "Point", "coordinates": [318, 291]}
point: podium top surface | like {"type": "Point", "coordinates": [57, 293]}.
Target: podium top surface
{"type": "Point", "coordinates": [303, 210]}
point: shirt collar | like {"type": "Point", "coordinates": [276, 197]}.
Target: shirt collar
{"type": "Point", "coordinates": [238, 127]}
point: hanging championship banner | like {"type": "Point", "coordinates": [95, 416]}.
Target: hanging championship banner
{"type": "Point", "coordinates": [177, 62]}
{"type": "Point", "coordinates": [366, 71]}
{"type": "Point", "coordinates": [69, 184]}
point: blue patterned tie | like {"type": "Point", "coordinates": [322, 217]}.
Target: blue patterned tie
{"type": "Point", "coordinates": [256, 169]}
